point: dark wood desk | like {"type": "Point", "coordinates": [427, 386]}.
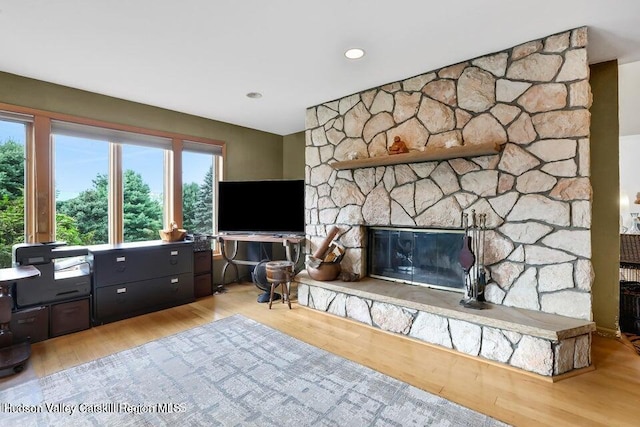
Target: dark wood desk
{"type": "Point", "coordinates": [291, 243]}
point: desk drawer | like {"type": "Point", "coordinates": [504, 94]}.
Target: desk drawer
{"type": "Point", "coordinates": [202, 285]}
{"type": "Point", "coordinates": [70, 317]}
{"type": "Point", "coordinates": [132, 265]}
{"type": "Point", "coordinates": [131, 299]}
{"type": "Point", "coordinates": [202, 262]}
{"type": "Point", "coordinates": [31, 324]}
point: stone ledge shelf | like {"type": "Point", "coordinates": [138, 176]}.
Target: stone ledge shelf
{"type": "Point", "coordinates": [444, 153]}
{"type": "Point", "coordinates": [541, 343]}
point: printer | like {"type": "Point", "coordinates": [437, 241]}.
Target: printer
{"type": "Point", "coordinates": [65, 272]}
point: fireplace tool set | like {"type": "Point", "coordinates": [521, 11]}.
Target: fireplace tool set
{"type": "Point", "coordinates": [472, 260]}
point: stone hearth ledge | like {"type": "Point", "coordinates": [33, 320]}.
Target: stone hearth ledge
{"type": "Point", "coordinates": [447, 304]}
{"type": "Point", "coordinates": [554, 345]}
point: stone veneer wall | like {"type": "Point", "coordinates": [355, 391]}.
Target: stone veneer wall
{"type": "Point", "coordinates": [544, 356]}
{"type": "Point", "coordinates": [534, 98]}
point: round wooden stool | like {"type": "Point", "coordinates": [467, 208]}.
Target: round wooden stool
{"type": "Point", "coordinates": [279, 273]}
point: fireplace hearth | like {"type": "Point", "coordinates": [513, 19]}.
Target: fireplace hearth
{"type": "Point", "coordinates": [424, 257]}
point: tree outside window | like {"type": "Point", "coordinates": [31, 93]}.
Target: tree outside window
{"type": "Point", "coordinates": [11, 190]}
{"type": "Point", "coordinates": [197, 193]}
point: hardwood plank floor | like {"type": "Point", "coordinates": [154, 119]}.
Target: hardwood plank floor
{"type": "Point", "coordinates": [606, 396]}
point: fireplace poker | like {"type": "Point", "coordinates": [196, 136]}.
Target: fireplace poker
{"type": "Point", "coordinates": [477, 270]}
{"type": "Point", "coordinates": [474, 238]}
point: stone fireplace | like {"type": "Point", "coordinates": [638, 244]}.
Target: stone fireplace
{"type": "Point", "coordinates": [532, 101]}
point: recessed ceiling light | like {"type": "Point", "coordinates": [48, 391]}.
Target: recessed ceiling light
{"type": "Point", "coordinates": [354, 53]}
{"type": "Point", "coordinates": [254, 95]}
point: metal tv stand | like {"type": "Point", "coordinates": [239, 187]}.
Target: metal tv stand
{"type": "Point", "coordinates": [292, 244]}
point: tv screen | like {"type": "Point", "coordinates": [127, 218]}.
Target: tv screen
{"type": "Point", "coordinates": [266, 207]}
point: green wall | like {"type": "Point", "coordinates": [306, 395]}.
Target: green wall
{"type": "Point", "coordinates": [251, 154]}
{"type": "Point", "coordinates": [605, 228]}
{"type": "Point", "coordinates": [293, 156]}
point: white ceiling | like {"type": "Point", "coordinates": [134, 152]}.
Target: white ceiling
{"type": "Point", "coordinates": [202, 56]}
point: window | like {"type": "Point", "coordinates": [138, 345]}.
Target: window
{"type": "Point", "coordinates": [13, 136]}
{"type": "Point", "coordinates": [87, 182]}
{"type": "Point", "coordinates": [82, 188]}
{"type": "Point", "coordinates": [143, 195]}
{"type": "Point", "coordinates": [109, 184]}
{"type": "Point", "coordinates": [200, 174]}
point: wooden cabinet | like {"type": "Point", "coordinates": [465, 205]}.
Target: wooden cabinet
{"type": "Point", "coordinates": [136, 278]}
{"type": "Point", "coordinates": [52, 319]}
{"type": "Point", "coordinates": [202, 277]}
{"type": "Point", "coordinates": [46, 321]}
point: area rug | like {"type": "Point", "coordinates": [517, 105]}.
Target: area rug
{"type": "Point", "coordinates": [232, 372]}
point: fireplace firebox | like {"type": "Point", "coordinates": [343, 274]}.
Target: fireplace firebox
{"type": "Point", "coordinates": [424, 257]}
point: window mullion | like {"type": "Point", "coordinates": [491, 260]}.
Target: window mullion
{"type": "Point", "coordinates": [116, 198]}
{"type": "Point", "coordinates": [168, 208]}
{"type": "Point", "coordinates": [173, 184]}
{"type": "Point", "coordinates": [217, 177]}
{"type": "Point", "coordinates": [29, 186]}
{"type": "Point", "coordinates": [42, 222]}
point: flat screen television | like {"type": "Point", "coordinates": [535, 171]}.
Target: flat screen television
{"type": "Point", "coordinates": [261, 207]}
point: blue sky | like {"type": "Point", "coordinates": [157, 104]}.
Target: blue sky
{"type": "Point", "coordinates": [78, 161]}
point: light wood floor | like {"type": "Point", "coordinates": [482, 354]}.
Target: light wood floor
{"type": "Point", "coordinates": [607, 396]}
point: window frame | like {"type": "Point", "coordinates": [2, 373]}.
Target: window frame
{"type": "Point", "coordinates": [39, 199]}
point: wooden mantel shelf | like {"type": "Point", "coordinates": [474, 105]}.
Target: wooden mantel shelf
{"type": "Point", "coordinates": [462, 151]}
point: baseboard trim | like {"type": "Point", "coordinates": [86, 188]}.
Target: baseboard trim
{"type": "Point", "coordinates": [607, 332]}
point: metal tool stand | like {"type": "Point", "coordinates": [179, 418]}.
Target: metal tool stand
{"type": "Point", "coordinates": [475, 273]}
{"type": "Point", "coordinates": [13, 356]}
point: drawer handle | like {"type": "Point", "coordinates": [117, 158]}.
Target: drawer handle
{"type": "Point", "coordinates": [59, 294]}
{"type": "Point", "coordinates": [121, 259]}
{"type": "Point", "coordinates": [174, 253]}
{"type": "Point", "coordinates": [121, 290]}
{"type": "Point", "coordinates": [70, 310]}
{"type": "Point", "coordinates": [174, 280]}
{"type": "Point", "coordinates": [29, 320]}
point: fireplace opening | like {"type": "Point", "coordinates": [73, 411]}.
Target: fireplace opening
{"type": "Point", "coordinates": [424, 257]}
